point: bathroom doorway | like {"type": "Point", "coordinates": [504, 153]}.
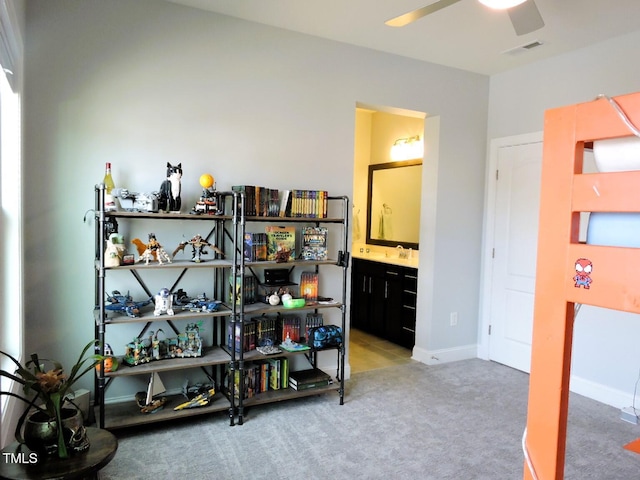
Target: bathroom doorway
{"type": "Point", "coordinates": [377, 130]}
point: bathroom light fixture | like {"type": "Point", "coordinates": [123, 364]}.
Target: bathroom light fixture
{"type": "Point", "coordinates": [407, 148]}
{"type": "Point", "coordinates": [501, 4]}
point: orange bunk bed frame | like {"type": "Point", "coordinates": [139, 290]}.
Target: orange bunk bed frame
{"type": "Point", "coordinates": [612, 283]}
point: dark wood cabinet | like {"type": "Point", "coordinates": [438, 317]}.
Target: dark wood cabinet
{"type": "Point", "coordinates": [383, 300]}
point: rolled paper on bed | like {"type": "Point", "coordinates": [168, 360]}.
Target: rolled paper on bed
{"type": "Point", "coordinates": [617, 154]}
{"type": "Point", "coordinates": [614, 229]}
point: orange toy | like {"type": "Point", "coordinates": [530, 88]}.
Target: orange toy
{"type": "Point", "coordinates": [570, 273]}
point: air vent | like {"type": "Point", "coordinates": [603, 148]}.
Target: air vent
{"type": "Point", "coordinates": [523, 48]}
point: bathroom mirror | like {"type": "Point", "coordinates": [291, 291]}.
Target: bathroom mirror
{"type": "Point", "coordinates": [393, 203]}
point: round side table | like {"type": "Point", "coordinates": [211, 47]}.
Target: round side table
{"type": "Point", "coordinates": [17, 462]}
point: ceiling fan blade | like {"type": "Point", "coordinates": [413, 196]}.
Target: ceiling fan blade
{"type": "Point", "coordinates": [526, 18]}
{"type": "Point", "coordinates": [414, 15]}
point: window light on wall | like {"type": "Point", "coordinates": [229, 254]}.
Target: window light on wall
{"type": "Point", "coordinates": [407, 148]}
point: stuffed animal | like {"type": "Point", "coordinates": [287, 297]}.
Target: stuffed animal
{"type": "Point", "coordinates": [169, 199]}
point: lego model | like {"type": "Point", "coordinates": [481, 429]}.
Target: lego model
{"type": "Point", "coordinates": [153, 249]}
{"type": "Point", "coordinates": [125, 304]}
{"type": "Point", "coordinates": [169, 199]}
{"type": "Point", "coordinates": [136, 202]}
{"type": "Point", "coordinates": [164, 303]}
{"type": "Point", "coordinates": [208, 202]}
{"type": "Point", "coordinates": [198, 245]}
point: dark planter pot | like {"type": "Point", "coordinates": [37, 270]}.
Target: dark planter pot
{"type": "Point", "coordinates": [41, 432]}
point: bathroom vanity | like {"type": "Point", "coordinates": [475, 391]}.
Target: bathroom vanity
{"type": "Point", "coordinates": [383, 298]}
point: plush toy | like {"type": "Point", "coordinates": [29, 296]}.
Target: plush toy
{"type": "Point", "coordinates": [169, 199]}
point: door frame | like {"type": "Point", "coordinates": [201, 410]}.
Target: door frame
{"type": "Point", "coordinates": [488, 234]}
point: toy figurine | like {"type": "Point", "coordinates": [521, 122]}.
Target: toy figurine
{"type": "Point", "coordinates": [198, 245]}
{"type": "Point", "coordinates": [164, 302]}
{"type": "Point", "coordinates": [153, 250]}
{"type": "Point", "coordinates": [115, 251]}
{"type": "Point", "coordinates": [169, 198]}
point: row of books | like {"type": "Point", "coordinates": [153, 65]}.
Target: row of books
{"type": "Point", "coordinates": [306, 203]}
{"type": "Point", "coordinates": [273, 330]}
{"type": "Point", "coordinates": [263, 376]}
{"type": "Point", "coordinates": [278, 243]}
{"type": "Point", "coordinates": [249, 286]}
{"type": "Point", "coordinates": [273, 374]}
{"type": "Point", "coordinates": [269, 202]}
{"type": "Point", "coordinates": [261, 201]}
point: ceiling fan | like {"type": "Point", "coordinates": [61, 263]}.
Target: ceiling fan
{"type": "Point", "coordinates": [524, 14]}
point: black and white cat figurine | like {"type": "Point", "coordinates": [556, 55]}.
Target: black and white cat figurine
{"type": "Point", "coordinates": [169, 199]}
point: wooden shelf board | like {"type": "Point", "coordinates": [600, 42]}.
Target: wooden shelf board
{"type": "Point", "coordinates": [212, 356]}
{"type": "Point", "coordinates": [172, 216]}
{"type": "Point", "coordinates": [148, 316]}
{"type": "Point", "coordinates": [294, 219]}
{"type": "Point", "coordinates": [292, 263]}
{"type": "Point", "coordinates": [127, 414]}
{"type": "Point", "coordinates": [213, 263]}
{"type": "Point", "coordinates": [288, 394]}
{"type": "Point", "coordinates": [260, 308]}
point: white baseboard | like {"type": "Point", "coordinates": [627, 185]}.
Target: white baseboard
{"type": "Point", "coordinates": [446, 355]}
{"type": "Point", "coordinates": [586, 388]}
{"type": "Point", "coordinates": [600, 393]}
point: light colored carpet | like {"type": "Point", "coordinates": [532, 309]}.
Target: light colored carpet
{"type": "Point", "coordinates": [461, 421]}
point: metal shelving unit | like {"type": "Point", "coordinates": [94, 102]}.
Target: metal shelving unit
{"type": "Point", "coordinates": [227, 230]}
{"type": "Point", "coordinates": [213, 359]}
{"type": "Point", "coordinates": [341, 261]}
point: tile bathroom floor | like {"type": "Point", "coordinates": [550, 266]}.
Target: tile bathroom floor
{"type": "Point", "coordinates": [368, 352]}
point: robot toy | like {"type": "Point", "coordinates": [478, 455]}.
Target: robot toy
{"type": "Point", "coordinates": [164, 303]}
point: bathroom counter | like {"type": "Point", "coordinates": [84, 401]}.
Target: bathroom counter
{"type": "Point", "coordinates": [390, 258]}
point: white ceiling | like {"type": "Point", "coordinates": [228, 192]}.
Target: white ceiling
{"type": "Point", "coordinates": [465, 35]}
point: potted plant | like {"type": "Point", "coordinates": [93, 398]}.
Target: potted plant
{"type": "Point", "coordinates": [46, 387]}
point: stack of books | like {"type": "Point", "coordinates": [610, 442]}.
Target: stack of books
{"type": "Point", "coordinates": [307, 379]}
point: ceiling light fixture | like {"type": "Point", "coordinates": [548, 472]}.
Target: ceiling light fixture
{"type": "Point", "coordinates": [501, 4]}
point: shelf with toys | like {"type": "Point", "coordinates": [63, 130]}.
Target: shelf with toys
{"type": "Point", "coordinates": [169, 329]}
{"type": "Point", "coordinates": [167, 317]}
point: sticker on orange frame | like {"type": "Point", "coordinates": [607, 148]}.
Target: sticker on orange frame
{"type": "Point", "coordinates": [584, 267]}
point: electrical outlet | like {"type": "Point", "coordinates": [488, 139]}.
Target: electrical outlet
{"type": "Point", "coordinates": [453, 319]}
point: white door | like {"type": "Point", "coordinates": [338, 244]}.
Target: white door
{"type": "Point", "coordinates": [515, 216]}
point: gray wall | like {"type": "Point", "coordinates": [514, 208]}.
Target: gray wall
{"type": "Point", "coordinates": [606, 357]}
{"type": "Point", "coordinates": [142, 83]}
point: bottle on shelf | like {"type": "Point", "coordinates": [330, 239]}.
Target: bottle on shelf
{"type": "Point", "coordinates": [109, 185]}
